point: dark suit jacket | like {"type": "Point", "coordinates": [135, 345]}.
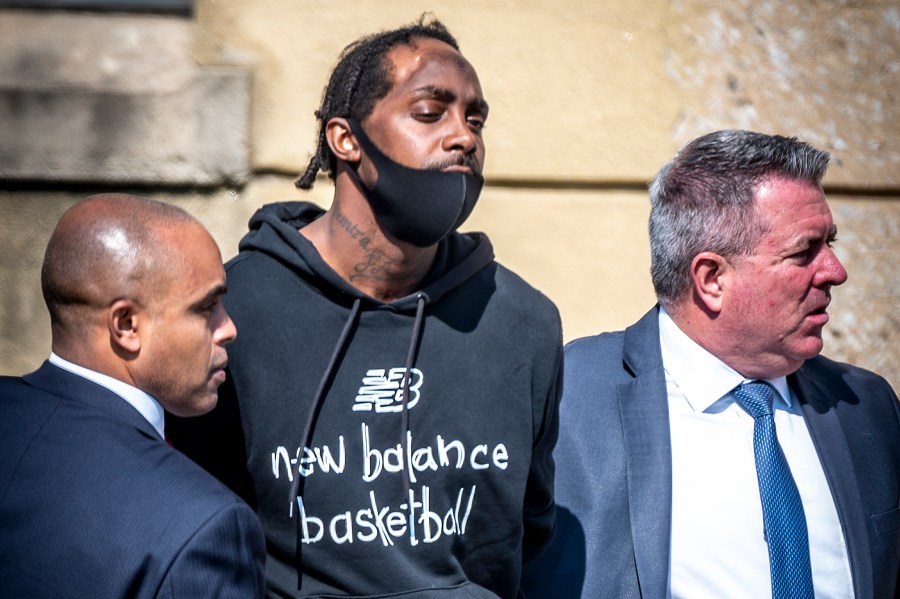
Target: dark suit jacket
{"type": "Point", "coordinates": [94, 504]}
{"type": "Point", "coordinates": [614, 469]}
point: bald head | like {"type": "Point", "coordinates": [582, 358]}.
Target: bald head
{"type": "Point", "coordinates": [134, 287]}
{"type": "Point", "coordinates": [106, 247]}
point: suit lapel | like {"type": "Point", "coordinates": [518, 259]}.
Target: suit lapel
{"type": "Point", "coordinates": [65, 384]}
{"type": "Point", "coordinates": [648, 453]}
{"type": "Point", "coordinates": [830, 442]}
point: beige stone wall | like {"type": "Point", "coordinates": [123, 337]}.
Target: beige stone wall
{"type": "Point", "coordinates": [598, 90]}
{"type": "Point", "coordinates": [588, 98]}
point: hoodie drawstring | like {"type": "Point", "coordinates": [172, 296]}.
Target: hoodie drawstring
{"type": "Point", "coordinates": [299, 479]}
{"type": "Point", "coordinates": [297, 483]}
{"type": "Point", "coordinates": [421, 298]}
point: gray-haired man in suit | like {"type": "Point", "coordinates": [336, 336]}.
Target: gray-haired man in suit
{"type": "Point", "coordinates": [671, 481]}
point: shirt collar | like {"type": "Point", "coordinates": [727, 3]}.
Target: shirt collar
{"type": "Point", "coordinates": [148, 407]}
{"type": "Point", "coordinates": [701, 376]}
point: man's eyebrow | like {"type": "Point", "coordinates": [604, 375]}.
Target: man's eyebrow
{"type": "Point", "coordinates": [446, 95]}
{"type": "Point", "coordinates": [439, 93]}
{"type": "Point", "coordinates": [811, 239]}
{"type": "Point", "coordinates": [829, 237]}
{"type": "Point", "coordinates": [214, 293]}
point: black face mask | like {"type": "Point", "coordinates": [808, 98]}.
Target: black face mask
{"type": "Point", "coordinates": [417, 206]}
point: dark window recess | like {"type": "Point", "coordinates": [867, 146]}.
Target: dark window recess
{"type": "Point", "coordinates": [176, 7]}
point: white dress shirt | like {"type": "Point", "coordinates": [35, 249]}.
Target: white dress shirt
{"type": "Point", "coordinates": [718, 549]}
{"type": "Point", "coordinates": [148, 407]}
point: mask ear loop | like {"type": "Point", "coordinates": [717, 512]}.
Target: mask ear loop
{"type": "Point", "coordinates": [366, 143]}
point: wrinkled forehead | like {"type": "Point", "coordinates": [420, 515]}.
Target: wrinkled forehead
{"type": "Point", "coordinates": [428, 61]}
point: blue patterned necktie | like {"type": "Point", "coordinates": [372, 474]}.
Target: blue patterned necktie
{"type": "Point", "coordinates": [785, 524]}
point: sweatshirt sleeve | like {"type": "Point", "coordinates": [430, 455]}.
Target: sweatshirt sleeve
{"type": "Point", "coordinates": [540, 508]}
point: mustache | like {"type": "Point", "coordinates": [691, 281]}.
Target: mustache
{"type": "Point", "coordinates": [467, 160]}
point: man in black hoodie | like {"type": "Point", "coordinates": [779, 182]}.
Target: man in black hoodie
{"type": "Point", "coordinates": [391, 406]}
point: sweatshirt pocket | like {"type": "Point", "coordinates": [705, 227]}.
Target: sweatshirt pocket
{"type": "Point", "coordinates": [887, 522]}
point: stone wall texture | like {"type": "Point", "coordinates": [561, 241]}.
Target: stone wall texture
{"type": "Point", "coordinates": [114, 99]}
{"type": "Point", "coordinates": [588, 99]}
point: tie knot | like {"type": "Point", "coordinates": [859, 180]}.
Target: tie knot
{"type": "Point", "coordinates": [755, 398]}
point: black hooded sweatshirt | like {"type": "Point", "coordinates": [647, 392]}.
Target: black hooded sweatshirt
{"type": "Point", "coordinates": [438, 492]}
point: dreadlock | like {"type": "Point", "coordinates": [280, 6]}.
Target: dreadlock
{"type": "Point", "coordinates": [361, 78]}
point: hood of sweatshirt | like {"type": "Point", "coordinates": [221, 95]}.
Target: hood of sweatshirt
{"type": "Point", "coordinates": [273, 230]}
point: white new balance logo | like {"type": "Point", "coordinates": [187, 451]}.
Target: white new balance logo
{"type": "Point", "coordinates": [382, 392]}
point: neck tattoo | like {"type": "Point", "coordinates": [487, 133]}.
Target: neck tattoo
{"type": "Point", "coordinates": [352, 229]}
{"type": "Point", "coordinates": [376, 266]}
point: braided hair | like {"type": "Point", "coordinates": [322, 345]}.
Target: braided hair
{"type": "Point", "coordinates": [361, 78]}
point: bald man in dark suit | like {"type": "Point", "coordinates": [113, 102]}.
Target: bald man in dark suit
{"type": "Point", "coordinates": [93, 502]}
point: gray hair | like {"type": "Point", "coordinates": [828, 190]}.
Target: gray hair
{"type": "Point", "coordinates": [703, 200]}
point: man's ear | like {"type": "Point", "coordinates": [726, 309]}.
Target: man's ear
{"type": "Point", "coordinates": [709, 275]}
{"type": "Point", "coordinates": [124, 320]}
{"type": "Point", "coordinates": [341, 140]}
